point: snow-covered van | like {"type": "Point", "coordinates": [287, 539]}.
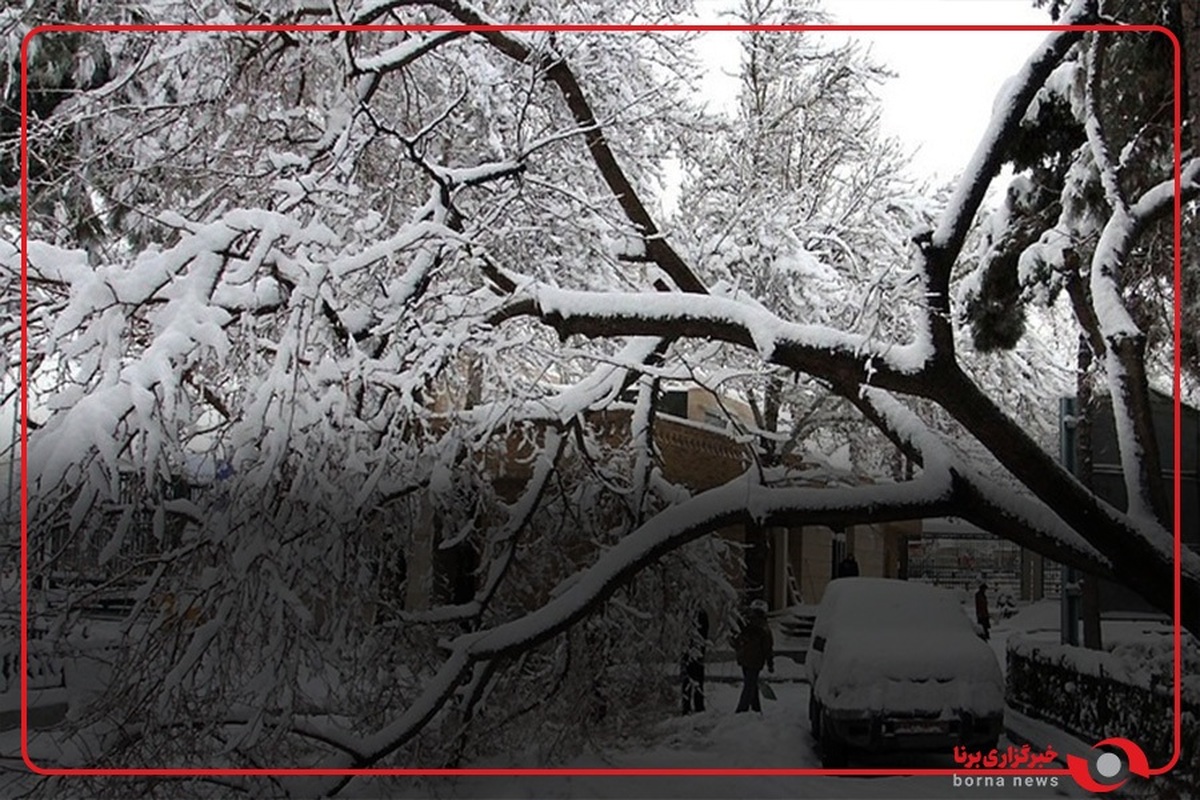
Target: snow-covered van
{"type": "Point", "coordinates": [895, 665]}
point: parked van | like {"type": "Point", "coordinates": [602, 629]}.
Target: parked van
{"type": "Point", "coordinates": [898, 666]}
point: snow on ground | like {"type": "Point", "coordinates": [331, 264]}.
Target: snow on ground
{"type": "Point", "coordinates": [777, 738]}
{"type": "Point", "coordinates": [1038, 620]}
{"type": "Point", "coordinates": [719, 738]}
{"type": "Point", "coordinates": [1144, 644]}
{"type": "Point", "coordinates": [1037, 733]}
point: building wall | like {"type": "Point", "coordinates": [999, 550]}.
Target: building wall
{"type": "Point", "coordinates": [868, 549]}
{"type": "Point", "coordinates": [816, 545]}
{"type": "Point", "coordinates": [704, 406]}
{"type": "Point", "coordinates": [879, 549]}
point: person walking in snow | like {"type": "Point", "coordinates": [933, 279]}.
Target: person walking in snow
{"type": "Point", "coordinates": [692, 672]}
{"type": "Point", "coordinates": [981, 611]}
{"type": "Point", "coordinates": [754, 647]}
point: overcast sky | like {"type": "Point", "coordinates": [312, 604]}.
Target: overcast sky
{"type": "Point", "coordinates": [940, 101]}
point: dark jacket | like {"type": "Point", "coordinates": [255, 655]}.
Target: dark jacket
{"type": "Point", "coordinates": [981, 607]}
{"type": "Point", "coordinates": [754, 645]}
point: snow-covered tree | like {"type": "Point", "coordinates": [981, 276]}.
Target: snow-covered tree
{"type": "Point", "coordinates": [797, 200]}
{"type": "Point", "coordinates": [372, 289]}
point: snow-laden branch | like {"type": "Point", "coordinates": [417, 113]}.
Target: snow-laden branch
{"type": "Point", "coordinates": [505, 540]}
{"type": "Point", "coordinates": [1142, 547]}
{"type": "Point", "coordinates": [1110, 178]}
{"type": "Point", "coordinates": [906, 429]}
{"type": "Point", "coordinates": [399, 56]}
{"type": "Point", "coordinates": [406, 237]}
{"type": "Point", "coordinates": [1009, 109]}
{"type": "Point", "coordinates": [1159, 199]}
{"type": "Point", "coordinates": [849, 363]}
{"type": "Point", "coordinates": [594, 391]}
{"type": "Point", "coordinates": [940, 248]}
{"type": "Point", "coordinates": [179, 292]}
{"type": "Point", "coordinates": [1026, 521]}
{"type": "Point", "coordinates": [848, 359]}
{"type": "Point", "coordinates": [1129, 393]}
{"type": "Point", "coordinates": [742, 500]}
{"type": "Point", "coordinates": [1019, 518]}
{"type": "Point", "coordinates": [1117, 240]}
{"type": "Point", "coordinates": [521, 49]}
{"type": "Point", "coordinates": [641, 431]}
{"type": "Point", "coordinates": [1125, 342]}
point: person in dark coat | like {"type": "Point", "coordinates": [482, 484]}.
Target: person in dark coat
{"type": "Point", "coordinates": [981, 611]}
{"type": "Point", "coordinates": [754, 647]}
{"type": "Point", "coordinates": [693, 665]}
{"type": "Point", "coordinates": [849, 567]}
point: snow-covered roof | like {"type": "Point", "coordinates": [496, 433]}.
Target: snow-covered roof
{"type": "Point", "coordinates": [936, 525]}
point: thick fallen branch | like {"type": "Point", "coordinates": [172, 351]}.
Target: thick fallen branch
{"type": "Point", "coordinates": [737, 502]}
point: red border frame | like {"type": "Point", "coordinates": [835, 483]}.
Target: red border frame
{"type": "Point", "coordinates": [577, 28]}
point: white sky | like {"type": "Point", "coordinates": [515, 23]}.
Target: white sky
{"type": "Point", "coordinates": [941, 99]}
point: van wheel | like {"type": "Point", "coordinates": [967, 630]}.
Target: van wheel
{"type": "Point", "coordinates": [834, 753]}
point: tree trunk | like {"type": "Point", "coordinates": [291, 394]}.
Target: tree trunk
{"type": "Point", "coordinates": [1084, 467]}
{"type": "Point", "coordinates": [755, 587]}
{"type": "Point", "coordinates": [757, 558]}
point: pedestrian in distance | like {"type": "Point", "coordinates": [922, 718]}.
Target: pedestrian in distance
{"type": "Point", "coordinates": [848, 568]}
{"type": "Point", "coordinates": [692, 671]}
{"type": "Point", "coordinates": [981, 611]}
{"type": "Point", "coordinates": [754, 647]}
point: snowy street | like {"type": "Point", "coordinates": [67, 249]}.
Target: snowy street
{"type": "Point", "coordinates": [718, 738]}
{"type": "Point", "coordinates": [778, 738]}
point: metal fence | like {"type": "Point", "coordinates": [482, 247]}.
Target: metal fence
{"type": "Point", "coordinates": [45, 669]}
{"type": "Point", "coordinates": [957, 561]}
{"type": "Point", "coordinates": [1098, 706]}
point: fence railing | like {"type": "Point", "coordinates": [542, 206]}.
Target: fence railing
{"type": "Point", "coordinates": [1071, 688]}
{"type": "Point", "coordinates": [46, 670]}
